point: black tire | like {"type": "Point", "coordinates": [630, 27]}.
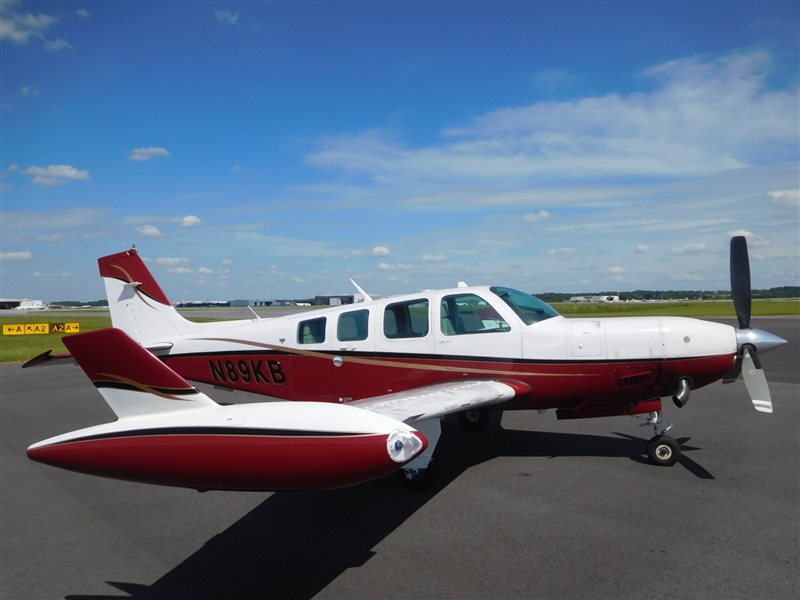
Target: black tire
{"type": "Point", "coordinates": [663, 451]}
{"type": "Point", "coordinates": [419, 479]}
{"type": "Point", "coordinates": [474, 419]}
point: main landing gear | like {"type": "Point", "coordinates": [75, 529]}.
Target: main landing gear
{"type": "Point", "coordinates": [662, 450]}
{"type": "Point", "coordinates": [420, 473]}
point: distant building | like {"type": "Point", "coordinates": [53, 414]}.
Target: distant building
{"type": "Point", "coordinates": [334, 300]}
{"type": "Point", "coordinates": [203, 304]}
{"type": "Point", "coordinates": [594, 299]}
{"type": "Point", "coordinates": [23, 304]}
{"type": "Point", "coordinates": [242, 303]}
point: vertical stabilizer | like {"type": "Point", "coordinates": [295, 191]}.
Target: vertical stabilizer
{"type": "Point", "coordinates": [137, 303]}
{"type": "Point", "coordinates": [132, 380]}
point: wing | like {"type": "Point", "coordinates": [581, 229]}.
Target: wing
{"type": "Point", "coordinates": [443, 399]}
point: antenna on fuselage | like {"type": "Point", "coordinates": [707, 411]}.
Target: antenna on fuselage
{"type": "Point", "coordinates": [367, 297]}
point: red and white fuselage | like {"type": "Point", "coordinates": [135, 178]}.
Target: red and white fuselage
{"type": "Point", "coordinates": [584, 367]}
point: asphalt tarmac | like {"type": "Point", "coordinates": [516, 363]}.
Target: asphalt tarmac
{"type": "Point", "coordinates": [529, 508]}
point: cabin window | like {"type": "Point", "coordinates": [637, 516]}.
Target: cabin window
{"type": "Point", "coordinates": [406, 319]}
{"type": "Point", "coordinates": [468, 313]}
{"type": "Point", "coordinates": [311, 331]}
{"type": "Point", "coordinates": [353, 326]}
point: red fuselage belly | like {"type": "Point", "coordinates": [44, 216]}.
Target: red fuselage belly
{"type": "Point", "coordinates": [353, 376]}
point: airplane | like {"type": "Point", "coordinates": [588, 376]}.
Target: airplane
{"type": "Point", "coordinates": [466, 350]}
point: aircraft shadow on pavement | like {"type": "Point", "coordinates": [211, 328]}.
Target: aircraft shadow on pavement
{"type": "Point", "coordinates": [294, 544]}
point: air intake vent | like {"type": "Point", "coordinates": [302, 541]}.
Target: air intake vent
{"type": "Point", "coordinates": [636, 380]}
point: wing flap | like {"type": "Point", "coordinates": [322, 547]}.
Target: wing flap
{"type": "Point", "coordinates": [442, 399]}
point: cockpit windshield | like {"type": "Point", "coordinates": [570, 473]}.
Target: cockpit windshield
{"type": "Point", "coordinates": [528, 308]}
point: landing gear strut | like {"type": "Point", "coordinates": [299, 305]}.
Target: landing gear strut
{"type": "Point", "coordinates": [474, 419]}
{"type": "Point", "coordinates": [662, 450]}
{"type": "Point", "coordinates": [421, 473]}
{"type": "Point", "coordinates": [419, 479]}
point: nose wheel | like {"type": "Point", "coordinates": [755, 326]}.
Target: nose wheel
{"type": "Point", "coordinates": [663, 451]}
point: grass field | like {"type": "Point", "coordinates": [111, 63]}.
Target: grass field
{"type": "Point", "coordinates": [20, 348]}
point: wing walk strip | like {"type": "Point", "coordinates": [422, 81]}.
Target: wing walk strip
{"type": "Point", "coordinates": [396, 364]}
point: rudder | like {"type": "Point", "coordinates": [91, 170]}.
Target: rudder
{"type": "Point", "coordinates": [137, 303]}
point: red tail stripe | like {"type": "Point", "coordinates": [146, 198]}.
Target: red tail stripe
{"type": "Point", "coordinates": [128, 266]}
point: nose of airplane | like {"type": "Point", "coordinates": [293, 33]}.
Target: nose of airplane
{"type": "Point", "coordinates": [763, 341]}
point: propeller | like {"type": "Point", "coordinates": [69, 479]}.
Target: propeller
{"type": "Point", "coordinates": [750, 341]}
{"type": "Point", "coordinates": [740, 280]}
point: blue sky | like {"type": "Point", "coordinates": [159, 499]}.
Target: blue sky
{"type": "Point", "coordinates": [273, 149]}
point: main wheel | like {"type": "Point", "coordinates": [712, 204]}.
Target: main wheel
{"type": "Point", "coordinates": [662, 450]}
{"type": "Point", "coordinates": [474, 419]}
{"type": "Point", "coordinates": [418, 479]}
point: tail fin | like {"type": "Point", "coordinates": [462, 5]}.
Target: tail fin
{"type": "Point", "coordinates": [132, 380]}
{"type": "Point", "coordinates": [138, 305]}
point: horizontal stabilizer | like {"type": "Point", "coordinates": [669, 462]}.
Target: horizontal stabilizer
{"type": "Point", "coordinates": [132, 380]}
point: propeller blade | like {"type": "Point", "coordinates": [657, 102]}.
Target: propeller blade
{"type": "Point", "coordinates": [740, 280]}
{"type": "Point", "coordinates": [756, 382]}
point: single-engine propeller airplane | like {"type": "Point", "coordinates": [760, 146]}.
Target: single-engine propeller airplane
{"type": "Point", "coordinates": [418, 357]}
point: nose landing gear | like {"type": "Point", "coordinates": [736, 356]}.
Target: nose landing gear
{"type": "Point", "coordinates": [662, 450]}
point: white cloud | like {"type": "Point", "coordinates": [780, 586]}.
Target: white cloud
{"type": "Point", "coordinates": [57, 44]}
{"type": "Point", "coordinates": [16, 256]}
{"type": "Point", "coordinates": [167, 261]}
{"type": "Point", "coordinates": [20, 28]}
{"type": "Point", "coordinates": [146, 153]}
{"type": "Point", "coordinates": [394, 267]}
{"type": "Point", "coordinates": [566, 251]}
{"type": "Point", "coordinates": [380, 251]}
{"type": "Point", "coordinates": [32, 222]}
{"type": "Point", "coordinates": [274, 270]}
{"type": "Point", "coordinates": [790, 198]}
{"type": "Point", "coordinates": [190, 221]}
{"type": "Point", "coordinates": [227, 261]}
{"type": "Point", "coordinates": [542, 215]}
{"type": "Point", "coordinates": [205, 271]}
{"type": "Point", "coordinates": [642, 249]}
{"type": "Point", "coordinates": [688, 249]}
{"type": "Point", "coordinates": [616, 269]}
{"type": "Point", "coordinates": [30, 90]}
{"type": "Point", "coordinates": [181, 270]}
{"type": "Point", "coordinates": [689, 124]}
{"type": "Point", "coordinates": [434, 257]}
{"type": "Point", "coordinates": [83, 13]}
{"type": "Point", "coordinates": [62, 274]}
{"type": "Point", "coordinates": [226, 16]}
{"type": "Point", "coordinates": [56, 174]}
{"type": "Point", "coordinates": [150, 231]}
